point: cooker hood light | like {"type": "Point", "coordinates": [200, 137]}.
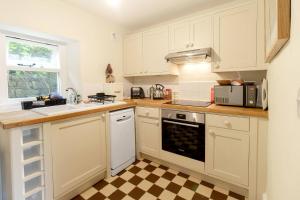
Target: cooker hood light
{"type": "Point", "coordinates": [192, 56]}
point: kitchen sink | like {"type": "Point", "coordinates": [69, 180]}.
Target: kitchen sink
{"type": "Point", "coordinates": [70, 108]}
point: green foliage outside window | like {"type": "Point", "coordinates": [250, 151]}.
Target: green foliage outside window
{"type": "Point", "coordinates": [23, 84]}
{"type": "Point", "coordinates": [25, 50]}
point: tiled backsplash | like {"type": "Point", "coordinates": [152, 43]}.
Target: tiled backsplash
{"type": "Point", "coordinates": [192, 83]}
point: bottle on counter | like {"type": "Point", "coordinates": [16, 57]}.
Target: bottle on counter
{"type": "Point", "coordinates": [168, 94]}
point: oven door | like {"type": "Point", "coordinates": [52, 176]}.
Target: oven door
{"type": "Point", "coordinates": [184, 138]}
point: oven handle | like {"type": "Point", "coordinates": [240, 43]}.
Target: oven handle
{"type": "Point", "coordinates": [179, 123]}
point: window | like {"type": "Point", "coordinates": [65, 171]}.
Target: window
{"type": "Point", "coordinates": [32, 68]}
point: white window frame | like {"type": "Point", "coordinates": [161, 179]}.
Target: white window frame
{"type": "Point", "coordinates": [4, 68]}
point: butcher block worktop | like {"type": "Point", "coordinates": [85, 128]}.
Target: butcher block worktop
{"type": "Point", "coordinates": [229, 110]}
{"type": "Point", "coordinates": [27, 117]}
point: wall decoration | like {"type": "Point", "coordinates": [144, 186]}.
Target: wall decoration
{"type": "Point", "coordinates": [109, 74]}
{"type": "Point", "coordinates": [278, 24]}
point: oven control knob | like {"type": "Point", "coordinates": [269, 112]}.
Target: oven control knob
{"type": "Point", "coordinates": [169, 115]}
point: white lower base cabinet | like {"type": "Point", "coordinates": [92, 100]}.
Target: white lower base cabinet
{"type": "Point", "coordinates": [227, 154]}
{"type": "Point", "coordinates": [148, 130]}
{"type": "Point", "coordinates": [78, 150]}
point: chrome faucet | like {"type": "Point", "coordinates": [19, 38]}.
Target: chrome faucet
{"type": "Point", "coordinates": [73, 97]}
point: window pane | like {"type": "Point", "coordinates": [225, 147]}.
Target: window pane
{"type": "Point", "coordinates": [31, 54]}
{"type": "Point", "coordinates": [23, 84]}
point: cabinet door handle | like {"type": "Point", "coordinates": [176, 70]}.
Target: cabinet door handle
{"type": "Point", "coordinates": [226, 123]}
{"type": "Point", "coordinates": [187, 46]}
{"type": "Point", "coordinates": [192, 44]}
{"type": "Point", "coordinates": [103, 116]}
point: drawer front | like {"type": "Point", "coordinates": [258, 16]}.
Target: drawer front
{"type": "Point", "coordinates": [228, 122]}
{"type": "Point", "coordinates": [147, 112]}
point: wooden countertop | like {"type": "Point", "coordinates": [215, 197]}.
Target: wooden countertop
{"type": "Point", "coordinates": [27, 117]}
{"type": "Point", "coordinates": [230, 110]}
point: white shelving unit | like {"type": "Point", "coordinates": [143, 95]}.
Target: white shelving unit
{"type": "Point", "coordinates": [33, 164]}
{"type": "Point", "coordinates": [24, 163]}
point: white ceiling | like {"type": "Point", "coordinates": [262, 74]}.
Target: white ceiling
{"type": "Point", "coordinates": [139, 13]}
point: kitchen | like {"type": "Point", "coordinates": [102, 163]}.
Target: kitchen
{"type": "Point", "coordinates": [210, 125]}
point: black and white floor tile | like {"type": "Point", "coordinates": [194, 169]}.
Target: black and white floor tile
{"type": "Point", "coordinates": [147, 180]}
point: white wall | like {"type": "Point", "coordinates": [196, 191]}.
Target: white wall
{"type": "Point", "coordinates": [284, 126]}
{"type": "Point", "coordinates": [54, 17]}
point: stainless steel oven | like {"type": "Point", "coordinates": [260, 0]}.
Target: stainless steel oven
{"type": "Point", "coordinates": [183, 133]}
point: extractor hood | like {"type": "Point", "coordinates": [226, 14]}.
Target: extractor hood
{"type": "Point", "coordinates": [192, 56]}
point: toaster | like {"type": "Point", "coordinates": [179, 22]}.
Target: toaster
{"type": "Point", "coordinates": [137, 93]}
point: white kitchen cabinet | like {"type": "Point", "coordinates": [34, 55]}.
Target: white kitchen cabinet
{"type": "Point", "coordinates": [148, 131]}
{"type": "Point", "coordinates": [235, 39]}
{"type": "Point", "coordinates": [180, 36]}
{"type": "Point", "coordinates": [133, 55]}
{"type": "Point", "coordinates": [155, 48]}
{"type": "Point", "coordinates": [201, 32]}
{"type": "Point", "coordinates": [193, 33]}
{"type": "Point", "coordinates": [144, 53]}
{"type": "Point", "coordinates": [227, 154]}
{"type": "Point", "coordinates": [78, 148]}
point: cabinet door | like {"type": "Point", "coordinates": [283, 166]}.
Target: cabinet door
{"type": "Point", "coordinates": [149, 136]}
{"type": "Point", "coordinates": [201, 32]}
{"type": "Point", "coordinates": [235, 39]}
{"type": "Point", "coordinates": [227, 154]}
{"type": "Point", "coordinates": [180, 36]}
{"type": "Point", "coordinates": [78, 152]}
{"type": "Point", "coordinates": [155, 48]}
{"type": "Point", "coordinates": [133, 54]}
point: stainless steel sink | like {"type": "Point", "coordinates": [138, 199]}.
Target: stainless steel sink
{"type": "Point", "coordinates": [70, 108]}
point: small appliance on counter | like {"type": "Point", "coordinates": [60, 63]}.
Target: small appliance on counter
{"type": "Point", "coordinates": [157, 91]}
{"type": "Point", "coordinates": [229, 95]}
{"type": "Point", "coordinates": [44, 101]}
{"type": "Point", "coordinates": [247, 94]}
{"type": "Point", "coordinates": [137, 93]}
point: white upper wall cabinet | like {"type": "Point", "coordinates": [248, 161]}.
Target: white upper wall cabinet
{"type": "Point", "coordinates": [180, 36]}
{"type": "Point", "coordinates": [235, 39]}
{"type": "Point", "coordinates": [191, 34]}
{"type": "Point", "coordinates": [155, 48]}
{"type": "Point", "coordinates": [133, 54]}
{"type": "Point", "coordinates": [144, 53]}
{"type": "Point", "coordinates": [201, 32]}
{"type": "Point", "coordinates": [235, 32]}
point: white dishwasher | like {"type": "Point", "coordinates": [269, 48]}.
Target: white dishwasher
{"type": "Point", "coordinates": [122, 140]}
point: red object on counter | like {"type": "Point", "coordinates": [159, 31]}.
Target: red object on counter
{"type": "Point", "coordinates": [212, 95]}
{"type": "Point", "coordinates": [168, 94]}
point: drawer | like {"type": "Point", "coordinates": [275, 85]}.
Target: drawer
{"type": "Point", "coordinates": [228, 122]}
{"type": "Point", "coordinates": [147, 112]}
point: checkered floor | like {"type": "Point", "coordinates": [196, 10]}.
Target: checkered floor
{"type": "Point", "coordinates": [147, 180]}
